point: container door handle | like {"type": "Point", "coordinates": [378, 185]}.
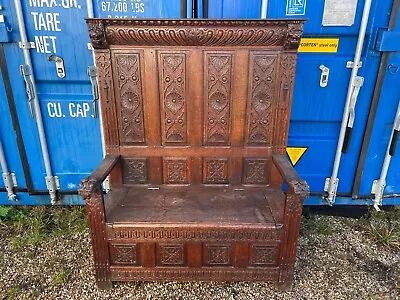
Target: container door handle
{"type": "Point", "coordinates": [26, 72]}
{"type": "Point", "coordinates": [92, 73]}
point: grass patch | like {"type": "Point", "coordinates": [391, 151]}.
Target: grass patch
{"type": "Point", "coordinates": [61, 277]}
{"type": "Point", "coordinates": [383, 227]}
{"type": "Point", "coordinates": [311, 223]}
{"type": "Point", "coordinates": [33, 225]}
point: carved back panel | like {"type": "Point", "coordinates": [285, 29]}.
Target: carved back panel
{"type": "Point", "coordinates": [195, 101]}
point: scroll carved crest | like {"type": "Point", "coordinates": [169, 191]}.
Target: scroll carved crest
{"type": "Point", "coordinates": [268, 33]}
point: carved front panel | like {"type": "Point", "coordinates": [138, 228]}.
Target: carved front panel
{"type": "Point", "coordinates": [263, 255]}
{"type": "Point", "coordinates": [256, 171]}
{"type": "Point", "coordinates": [171, 255]}
{"type": "Point", "coordinates": [217, 255]}
{"type": "Point", "coordinates": [131, 98]}
{"type": "Point", "coordinates": [135, 170]}
{"type": "Point", "coordinates": [218, 70]}
{"type": "Point", "coordinates": [215, 170]}
{"type": "Point", "coordinates": [173, 97]}
{"type": "Point", "coordinates": [261, 99]}
{"type": "Point", "coordinates": [124, 254]}
{"type": "Point", "coordinates": [176, 170]}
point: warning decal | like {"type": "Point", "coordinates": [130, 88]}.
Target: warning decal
{"type": "Point", "coordinates": [319, 45]}
{"type": "Point", "coordinates": [295, 154]}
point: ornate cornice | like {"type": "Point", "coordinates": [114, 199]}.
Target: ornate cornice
{"type": "Point", "coordinates": [266, 33]}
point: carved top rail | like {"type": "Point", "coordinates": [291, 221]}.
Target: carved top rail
{"type": "Point", "coordinates": [284, 34]}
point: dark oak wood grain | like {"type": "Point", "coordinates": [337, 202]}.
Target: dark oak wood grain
{"type": "Point", "coordinates": [195, 116]}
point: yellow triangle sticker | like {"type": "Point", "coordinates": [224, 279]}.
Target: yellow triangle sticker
{"type": "Point", "coordinates": [295, 154]}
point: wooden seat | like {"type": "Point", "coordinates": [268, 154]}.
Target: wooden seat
{"type": "Point", "coordinates": [195, 118]}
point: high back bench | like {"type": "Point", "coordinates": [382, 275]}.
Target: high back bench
{"type": "Point", "coordinates": [195, 117]}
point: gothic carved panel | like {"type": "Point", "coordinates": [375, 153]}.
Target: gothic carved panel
{"type": "Point", "coordinates": [256, 171]}
{"type": "Point", "coordinates": [262, 255]}
{"type": "Point", "coordinates": [173, 92]}
{"type": "Point", "coordinates": [215, 170]}
{"type": "Point", "coordinates": [261, 106]}
{"type": "Point", "coordinates": [218, 68]}
{"type": "Point", "coordinates": [135, 170]}
{"type": "Point", "coordinates": [176, 170]}
{"type": "Point", "coordinates": [124, 254]}
{"type": "Point", "coordinates": [217, 255]}
{"type": "Point", "coordinates": [171, 255]}
{"type": "Point", "coordinates": [131, 97]}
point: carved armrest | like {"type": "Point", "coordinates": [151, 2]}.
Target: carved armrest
{"type": "Point", "coordinates": [296, 185]}
{"type": "Point", "coordinates": [92, 184]}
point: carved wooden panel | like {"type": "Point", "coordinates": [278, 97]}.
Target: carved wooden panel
{"type": "Point", "coordinates": [135, 170]}
{"type": "Point", "coordinates": [129, 83]}
{"type": "Point", "coordinates": [256, 171]}
{"type": "Point", "coordinates": [217, 255]}
{"type": "Point", "coordinates": [171, 255]}
{"type": "Point", "coordinates": [106, 92]}
{"type": "Point", "coordinates": [218, 70]}
{"type": "Point", "coordinates": [215, 170]}
{"type": "Point", "coordinates": [173, 95]}
{"type": "Point", "coordinates": [263, 255]}
{"type": "Point", "coordinates": [261, 99]}
{"type": "Point", "coordinates": [176, 170]}
{"type": "Point", "coordinates": [124, 254]}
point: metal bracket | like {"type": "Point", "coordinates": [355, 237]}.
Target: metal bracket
{"type": "Point", "coordinates": [10, 182]}
{"type": "Point", "coordinates": [331, 186]}
{"type": "Point", "coordinates": [53, 184]}
{"type": "Point", "coordinates": [92, 73]}
{"type": "Point", "coordinates": [377, 189]}
{"type": "Point", "coordinates": [357, 84]}
{"type": "Point", "coordinates": [89, 46]}
{"type": "Point", "coordinates": [28, 45]}
{"type": "Point", "coordinates": [323, 82]}
{"type": "Point", "coordinates": [350, 64]}
{"type": "Point", "coordinates": [26, 72]}
{"type": "Point", "coordinates": [59, 65]}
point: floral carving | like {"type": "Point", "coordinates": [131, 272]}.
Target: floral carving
{"type": "Point", "coordinates": [176, 171]}
{"type": "Point", "coordinates": [218, 80]}
{"type": "Point", "coordinates": [262, 95]}
{"type": "Point", "coordinates": [255, 171]}
{"type": "Point", "coordinates": [171, 254]}
{"type": "Point", "coordinates": [173, 89]}
{"type": "Point", "coordinates": [130, 90]}
{"type": "Point", "coordinates": [218, 254]}
{"type": "Point", "coordinates": [216, 170]}
{"type": "Point", "coordinates": [135, 170]}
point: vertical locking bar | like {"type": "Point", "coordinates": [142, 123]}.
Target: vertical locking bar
{"type": "Point", "coordinates": [50, 180]}
{"type": "Point", "coordinates": [378, 186]}
{"type": "Point", "coordinates": [331, 184]}
{"type": "Point", "coordinates": [8, 178]}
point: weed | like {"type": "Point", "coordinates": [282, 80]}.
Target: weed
{"type": "Point", "coordinates": [383, 227]}
{"type": "Point", "coordinates": [13, 292]}
{"type": "Point", "coordinates": [313, 223]}
{"type": "Point", "coordinates": [61, 277]}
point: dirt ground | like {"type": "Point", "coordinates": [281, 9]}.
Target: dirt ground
{"type": "Point", "coordinates": [46, 254]}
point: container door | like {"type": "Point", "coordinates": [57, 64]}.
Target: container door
{"type": "Point", "coordinates": [330, 34]}
{"type": "Point", "coordinates": [60, 58]}
{"type": "Point", "coordinates": [382, 119]}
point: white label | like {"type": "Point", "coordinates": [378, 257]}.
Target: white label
{"type": "Point", "coordinates": [339, 12]}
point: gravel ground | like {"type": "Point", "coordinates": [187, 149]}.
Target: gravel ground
{"type": "Point", "coordinates": [336, 260]}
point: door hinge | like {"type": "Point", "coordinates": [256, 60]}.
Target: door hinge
{"type": "Point", "coordinates": [387, 41]}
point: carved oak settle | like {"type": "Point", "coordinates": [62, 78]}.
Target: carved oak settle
{"type": "Point", "coordinates": [195, 116]}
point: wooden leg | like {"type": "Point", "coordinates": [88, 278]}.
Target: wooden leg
{"type": "Point", "coordinates": [104, 285]}
{"type": "Point", "coordinates": [285, 278]}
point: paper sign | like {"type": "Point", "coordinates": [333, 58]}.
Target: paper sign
{"type": "Point", "coordinates": [339, 12]}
